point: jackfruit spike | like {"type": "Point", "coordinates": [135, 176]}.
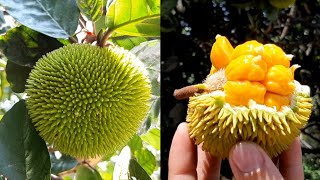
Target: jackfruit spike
{"type": "Point", "coordinates": [289, 56]}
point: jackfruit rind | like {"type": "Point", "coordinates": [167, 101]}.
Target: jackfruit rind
{"type": "Point", "coordinates": [220, 126]}
{"type": "Point", "coordinates": [87, 100]}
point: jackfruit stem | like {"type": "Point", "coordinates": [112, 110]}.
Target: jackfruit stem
{"type": "Point", "coordinates": [105, 37]}
{"type": "Point", "coordinates": [186, 92]}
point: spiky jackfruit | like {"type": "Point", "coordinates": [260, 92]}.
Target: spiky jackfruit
{"type": "Point", "coordinates": [87, 100]}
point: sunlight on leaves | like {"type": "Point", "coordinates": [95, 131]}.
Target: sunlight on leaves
{"type": "Point", "coordinates": [134, 17]}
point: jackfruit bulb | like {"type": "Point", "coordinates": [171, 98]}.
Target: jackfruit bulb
{"type": "Point", "coordinates": [252, 97]}
{"type": "Point", "coordinates": [86, 100]}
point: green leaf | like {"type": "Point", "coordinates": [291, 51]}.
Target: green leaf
{"type": "Point", "coordinates": [152, 137]}
{"type": "Point", "coordinates": [58, 19]}
{"type": "Point", "coordinates": [17, 76]}
{"type": "Point", "coordinates": [137, 171]}
{"type": "Point", "coordinates": [127, 42]}
{"type": "Point", "coordinates": [134, 17]}
{"type": "Point", "coordinates": [135, 143]}
{"type": "Point", "coordinates": [64, 163]}
{"type": "Point", "coordinates": [146, 159]}
{"type": "Point", "coordinates": [152, 115]}
{"type": "Point", "coordinates": [107, 173]}
{"type": "Point", "coordinates": [149, 53]}
{"type": "Point", "coordinates": [25, 46]}
{"type": "Point", "coordinates": [24, 154]}
{"type": "Point", "coordinates": [87, 173]}
{"type": "Point", "coordinates": [100, 24]}
{"type": "Point", "coordinates": [92, 9]}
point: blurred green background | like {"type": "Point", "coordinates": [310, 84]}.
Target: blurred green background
{"type": "Point", "coordinates": [188, 30]}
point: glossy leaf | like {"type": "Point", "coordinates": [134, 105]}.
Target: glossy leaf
{"type": "Point", "coordinates": [152, 116]}
{"type": "Point", "coordinates": [135, 143]}
{"type": "Point", "coordinates": [25, 46]}
{"type": "Point", "coordinates": [58, 19]}
{"type": "Point", "coordinates": [152, 137]}
{"type": "Point", "coordinates": [24, 154]}
{"type": "Point", "coordinates": [146, 159]}
{"type": "Point", "coordinates": [92, 9]}
{"type": "Point", "coordinates": [134, 17]}
{"type": "Point", "coordinates": [64, 163]}
{"type": "Point", "coordinates": [136, 171]}
{"type": "Point", "coordinates": [127, 42]}
{"type": "Point", "coordinates": [17, 76]}
{"type": "Point", "coordinates": [107, 173]}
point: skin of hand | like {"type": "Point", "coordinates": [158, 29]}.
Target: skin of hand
{"type": "Point", "coordinates": [247, 161]}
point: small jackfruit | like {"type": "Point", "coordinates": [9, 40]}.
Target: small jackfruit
{"type": "Point", "coordinates": [255, 98]}
{"type": "Point", "coordinates": [87, 100]}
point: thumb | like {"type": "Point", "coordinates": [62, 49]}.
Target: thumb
{"type": "Point", "coordinates": [249, 161]}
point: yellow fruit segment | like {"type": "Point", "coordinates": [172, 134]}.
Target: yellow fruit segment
{"type": "Point", "coordinates": [240, 92]}
{"type": "Point", "coordinates": [274, 55]}
{"type": "Point", "coordinates": [246, 67]}
{"type": "Point", "coordinates": [279, 80]}
{"type": "Point", "coordinates": [252, 47]}
{"type": "Point", "coordinates": [275, 100]}
{"type": "Point", "coordinates": [220, 52]}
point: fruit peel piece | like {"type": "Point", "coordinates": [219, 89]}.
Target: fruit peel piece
{"type": "Point", "coordinates": [222, 127]}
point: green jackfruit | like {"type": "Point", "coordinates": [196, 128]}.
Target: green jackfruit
{"type": "Point", "coordinates": [86, 100]}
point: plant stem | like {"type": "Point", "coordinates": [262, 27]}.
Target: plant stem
{"type": "Point", "coordinates": [186, 92]}
{"type": "Point", "coordinates": [105, 37]}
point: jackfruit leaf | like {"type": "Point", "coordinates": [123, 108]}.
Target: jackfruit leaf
{"type": "Point", "coordinates": [24, 154]}
{"type": "Point", "coordinates": [135, 143]}
{"type": "Point", "coordinates": [17, 76]}
{"type": "Point", "coordinates": [92, 9]}
{"type": "Point", "coordinates": [100, 24]}
{"type": "Point", "coordinates": [107, 173]}
{"type": "Point", "coordinates": [136, 171]}
{"type": "Point", "coordinates": [87, 173]}
{"type": "Point", "coordinates": [64, 163]}
{"type": "Point", "coordinates": [127, 42]}
{"type": "Point", "coordinates": [58, 19]}
{"type": "Point", "coordinates": [149, 53]}
{"type": "Point", "coordinates": [152, 137]}
{"type": "Point", "coordinates": [146, 159]}
{"type": "Point", "coordinates": [152, 116]}
{"type": "Point", "coordinates": [25, 46]}
{"type": "Point", "coordinates": [134, 17]}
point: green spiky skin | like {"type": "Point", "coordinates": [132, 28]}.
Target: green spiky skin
{"type": "Point", "coordinates": [86, 100]}
{"type": "Point", "coordinates": [219, 126]}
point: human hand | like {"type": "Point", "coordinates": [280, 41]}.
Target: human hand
{"type": "Point", "coordinates": [247, 161]}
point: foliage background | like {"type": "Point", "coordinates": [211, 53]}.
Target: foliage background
{"type": "Point", "coordinates": [188, 31]}
{"type": "Point", "coordinates": [29, 29]}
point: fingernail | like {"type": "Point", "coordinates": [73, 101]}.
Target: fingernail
{"type": "Point", "coordinates": [247, 157]}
